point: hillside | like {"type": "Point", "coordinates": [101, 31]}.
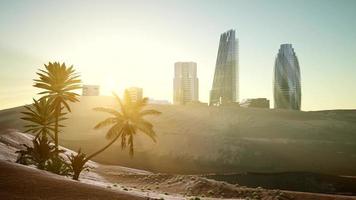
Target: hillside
{"type": "Point", "coordinates": [202, 139]}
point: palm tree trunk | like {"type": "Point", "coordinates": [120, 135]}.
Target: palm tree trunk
{"type": "Point", "coordinates": [76, 175]}
{"type": "Point", "coordinates": [103, 149]}
{"type": "Point", "coordinates": [56, 132]}
{"type": "Point", "coordinates": [57, 114]}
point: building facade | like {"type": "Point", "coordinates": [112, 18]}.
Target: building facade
{"type": "Point", "coordinates": [136, 93]}
{"type": "Point", "coordinates": [185, 83]}
{"type": "Point", "coordinates": [158, 101]}
{"type": "Point", "coordinates": [225, 89]}
{"type": "Point", "coordinates": [287, 86]}
{"type": "Point", "coordinates": [91, 90]}
{"type": "Point", "coordinates": [255, 103]}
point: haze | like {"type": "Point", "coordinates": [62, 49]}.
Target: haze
{"type": "Point", "coordinates": [123, 43]}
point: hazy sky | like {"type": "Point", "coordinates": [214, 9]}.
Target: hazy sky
{"type": "Point", "coordinates": [135, 43]}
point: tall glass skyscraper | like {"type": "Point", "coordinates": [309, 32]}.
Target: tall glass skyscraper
{"type": "Point", "coordinates": [287, 89]}
{"type": "Point", "coordinates": [226, 78]}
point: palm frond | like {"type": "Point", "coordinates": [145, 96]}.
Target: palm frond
{"type": "Point", "coordinates": [141, 103]}
{"type": "Point", "coordinates": [150, 112]}
{"type": "Point", "coordinates": [109, 110]}
{"type": "Point", "coordinates": [106, 122]}
{"type": "Point", "coordinates": [114, 131]}
{"type": "Point", "coordinates": [121, 104]}
{"type": "Point", "coordinates": [126, 121]}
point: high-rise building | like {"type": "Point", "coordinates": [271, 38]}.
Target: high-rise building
{"type": "Point", "coordinates": [287, 87]}
{"type": "Point", "coordinates": [136, 93]}
{"type": "Point", "coordinates": [91, 90]}
{"type": "Point", "coordinates": [185, 83]}
{"type": "Point", "coordinates": [225, 88]}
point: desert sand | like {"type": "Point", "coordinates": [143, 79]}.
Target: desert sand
{"type": "Point", "coordinates": [206, 139]}
{"type": "Point", "coordinates": [116, 182]}
{"type": "Point", "coordinates": [192, 140]}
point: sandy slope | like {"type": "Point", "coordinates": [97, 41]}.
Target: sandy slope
{"type": "Point", "coordinates": [25, 182]}
{"type": "Point", "coordinates": [116, 182]}
{"type": "Point", "coordinates": [21, 182]}
{"type": "Point", "coordinates": [220, 140]}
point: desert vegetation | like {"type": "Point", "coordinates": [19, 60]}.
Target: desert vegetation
{"type": "Point", "coordinates": [45, 116]}
{"type": "Point", "coordinates": [58, 83]}
{"type": "Point", "coordinates": [125, 122]}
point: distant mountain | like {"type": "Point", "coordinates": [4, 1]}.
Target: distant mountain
{"type": "Point", "coordinates": [202, 139]}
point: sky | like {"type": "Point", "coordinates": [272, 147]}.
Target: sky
{"type": "Point", "coordinates": [118, 44]}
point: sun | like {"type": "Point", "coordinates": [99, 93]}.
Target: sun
{"type": "Point", "coordinates": [110, 85]}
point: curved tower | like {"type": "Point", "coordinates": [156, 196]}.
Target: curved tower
{"type": "Point", "coordinates": [225, 83]}
{"type": "Point", "coordinates": [287, 89]}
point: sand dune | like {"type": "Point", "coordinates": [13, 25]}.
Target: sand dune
{"type": "Point", "coordinates": [116, 182]}
{"type": "Point", "coordinates": [21, 182]}
{"type": "Point", "coordinates": [221, 140]}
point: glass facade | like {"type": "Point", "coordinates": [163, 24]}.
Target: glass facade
{"type": "Point", "coordinates": [287, 87]}
{"type": "Point", "coordinates": [225, 84]}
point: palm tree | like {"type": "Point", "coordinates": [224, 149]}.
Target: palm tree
{"type": "Point", "coordinates": [40, 116]}
{"type": "Point", "coordinates": [58, 82]}
{"type": "Point", "coordinates": [126, 121]}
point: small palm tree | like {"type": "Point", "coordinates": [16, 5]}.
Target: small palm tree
{"type": "Point", "coordinates": [40, 116]}
{"type": "Point", "coordinates": [77, 163]}
{"type": "Point", "coordinates": [58, 82]}
{"type": "Point", "coordinates": [38, 155]}
{"type": "Point", "coordinates": [41, 119]}
{"type": "Point", "coordinates": [125, 122]}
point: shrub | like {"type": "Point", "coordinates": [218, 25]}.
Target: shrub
{"type": "Point", "coordinates": [37, 155]}
{"type": "Point", "coordinates": [58, 165]}
{"type": "Point", "coordinates": [77, 163]}
{"type": "Point", "coordinates": [44, 156]}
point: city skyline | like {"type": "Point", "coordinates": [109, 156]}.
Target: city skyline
{"type": "Point", "coordinates": [121, 44]}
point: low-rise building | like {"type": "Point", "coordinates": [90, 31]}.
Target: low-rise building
{"type": "Point", "coordinates": [255, 103]}
{"type": "Point", "coordinates": [91, 90]}
{"type": "Point", "coordinates": [158, 101]}
{"type": "Point", "coordinates": [135, 93]}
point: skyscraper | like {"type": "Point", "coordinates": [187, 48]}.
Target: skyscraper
{"type": "Point", "coordinates": [226, 78]}
{"type": "Point", "coordinates": [185, 83]}
{"type": "Point", "coordinates": [287, 89]}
